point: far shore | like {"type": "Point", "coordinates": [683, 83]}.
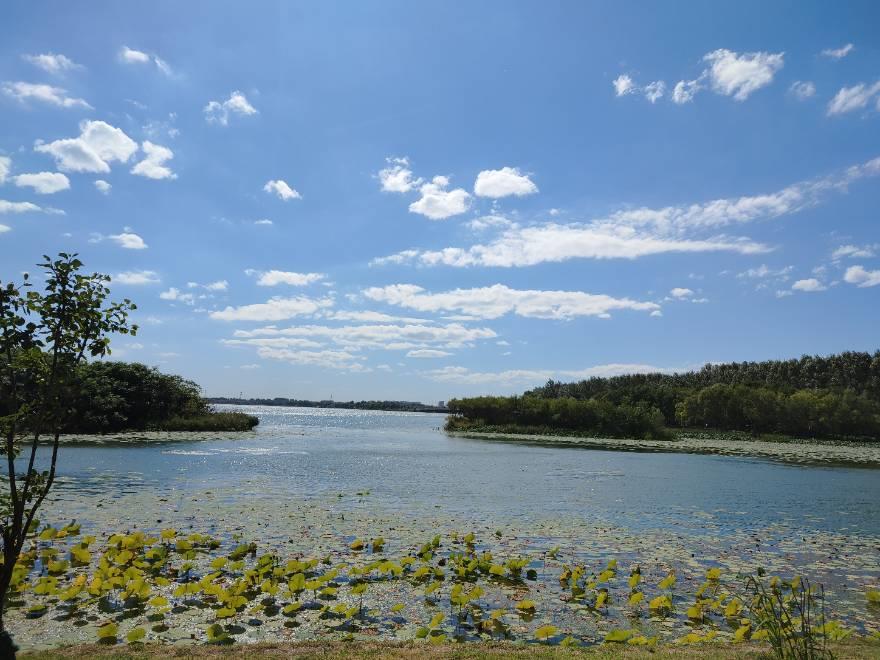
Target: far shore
{"type": "Point", "coordinates": [792, 450]}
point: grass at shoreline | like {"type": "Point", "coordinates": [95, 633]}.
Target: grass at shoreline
{"type": "Point", "coordinates": [214, 421]}
{"type": "Point", "coordinates": [855, 650]}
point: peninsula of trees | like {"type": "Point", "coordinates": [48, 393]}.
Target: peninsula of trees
{"type": "Point", "coordinates": [823, 397]}
{"type": "Point", "coordinates": [110, 397]}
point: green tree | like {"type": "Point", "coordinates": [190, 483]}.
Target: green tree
{"type": "Point", "coordinates": [44, 337]}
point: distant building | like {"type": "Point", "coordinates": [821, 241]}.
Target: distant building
{"type": "Point", "coordinates": [441, 404]}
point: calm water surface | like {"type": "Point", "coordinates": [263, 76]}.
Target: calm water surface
{"type": "Point", "coordinates": [406, 463]}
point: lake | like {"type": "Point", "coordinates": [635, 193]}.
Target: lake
{"type": "Point", "coordinates": [309, 481]}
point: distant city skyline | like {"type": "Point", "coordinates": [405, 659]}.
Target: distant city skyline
{"type": "Point", "coordinates": [414, 202]}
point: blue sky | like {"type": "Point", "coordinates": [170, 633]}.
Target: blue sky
{"type": "Point", "coordinates": [416, 201]}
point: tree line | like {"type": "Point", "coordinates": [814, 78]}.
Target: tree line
{"type": "Point", "coordinates": [834, 396]}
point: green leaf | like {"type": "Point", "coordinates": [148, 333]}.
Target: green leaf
{"type": "Point", "coordinates": [136, 634]}
{"type": "Point", "coordinates": [618, 635]}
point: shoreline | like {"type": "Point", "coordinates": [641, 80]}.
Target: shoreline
{"type": "Point", "coordinates": [810, 452]}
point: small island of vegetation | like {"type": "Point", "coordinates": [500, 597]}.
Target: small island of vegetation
{"type": "Point", "coordinates": [113, 397]}
{"type": "Point", "coordinates": [812, 397]}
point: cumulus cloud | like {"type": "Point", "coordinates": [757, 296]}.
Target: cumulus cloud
{"type": "Point", "coordinates": [654, 91]}
{"type": "Point", "coordinates": [274, 309]}
{"type": "Point", "coordinates": [852, 98]}
{"type": "Point", "coordinates": [809, 285]}
{"type": "Point", "coordinates": [98, 145]}
{"type": "Point", "coordinates": [276, 277]}
{"type": "Point", "coordinates": [397, 176]}
{"type": "Point", "coordinates": [20, 207]}
{"type": "Point", "coordinates": [638, 232]}
{"type": "Point", "coordinates": [505, 182]}
{"type": "Point", "coordinates": [44, 183]}
{"type": "Point", "coordinates": [280, 188]}
{"type": "Point", "coordinates": [681, 292]}
{"type": "Point", "coordinates": [176, 295]}
{"type": "Point", "coordinates": [5, 228]}
{"type": "Point", "coordinates": [740, 76]}
{"type": "Point", "coordinates": [854, 252]}
{"type": "Point", "coordinates": [838, 53]}
{"type": "Point", "coordinates": [623, 85]}
{"type": "Point", "coordinates": [438, 203]}
{"type": "Point", "coordinates": [802, 90]}
{"type": "Point", "coordinates": [52, 63]}
{"type": "Point", "coordinates": [217, 112]}
{"type": "Point", "coordinates": [427, 353]}
{"type": "Point", "coordinates": [263, 222]}
{"type": "Point", "coordinates": [153, 165]}
{"type": "Point", "coordinates": [25, 91]}
{"type": "Point", "coordinates": [128, 240]}
{"type": "Point", "coordinates": [102, 186]}
{"type": "Point", "coordinates": [5, 168]}
{"type": "Point", "coordinates": [494, 301]}
{"type": "Point", "coordinates": [763, 271]}
{"type": "Point", "coordinates": [862, 278]}
{"type": "Point", "coordinates": [685, 90]}
{"type": "Point", "coordinates": [132, 56]}
{"type": "Point", "coordinates": [137, 277]}
{"type": "Point", "coordinates": [378, 336]}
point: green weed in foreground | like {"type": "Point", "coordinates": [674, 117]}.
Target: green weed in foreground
{"type": "Point", "coordinates": [139, 587]}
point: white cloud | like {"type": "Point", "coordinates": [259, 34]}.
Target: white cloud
{"type": "Point", "coordinates": [137, 277]}
{"type": "Point", "coordinates": [153, 165]}
{"type": "Point", "coordinates": [128, 240]}
{"type": "Point", "coordinates": [681, 292]}
{"type": "Point", "coordinates": [52, 63]}
{"type": "Point", "coordinates": [281, 189]}
{"type": "Point", "coordinates": [488, 222]}
{"type": "Point", "coordinates": [263, 222]}
{"type": "Point", "coordinates": [237, 104]}
{"type": "Point", "coordinates": [654, 91]}
{"type": "Point", "coordinates": [507, 181]}
{"type": "Point", "coordinates": [274, 309]}
{"type": "Point", "coordinates": [623, 85]}
{"type": "Point", "coordinates": [97, 146]}
{"type": "Point", "coordinates": [4, 229]}
{"type": "Point", "coordinates": [739, 76]}
{"type": "Point", "coordinates": [862, 278]}
{"type": "Point", "coordinates": [102, 186]}
{"type": "Point", "coordinates": [370, 316]}
{"type": "Point", "coordinates": [852, 98]}
{"type": "Point", "coordinates": [132, 56]}
{"type": "Point", "coordinates": [219, 285]}
{"type": "Point", "coordinates": [437, 203]}
{"type": "Point", "coordinates": [838, 53]}
{"type": "Point", "coordinates": [19, 207]}
{"type": "Point", "coordinates": [380, 336]}
{"type": "Point", "coordinates": [177, 295]}
{"type": "Point", "coordinates": [5, 168]}
{"type": "Point", "coordinates": [494, 301]}
{"type": "Point", "coordinates": [638, 232]}
{"type": "Point", "coordinates": [397, 177]}
{"type": "Point", "coordinates": [427, 353]}
{"type": "Point", "coordinates": [685, 90]}
{"type": "Point", "coordinates": [276, 277]}
{"type": "Point", "coordinates": [802, 90]}
{"type": "Point", "coordinates": [854, 252]}
{"type": "Point", "coordinates": [810, 285]}
{"type": "Point", "coordinates": [24, 91]}
{"type": "Point", "coordinates": [763, 271]}
{"type": "Point", "coordinates": [44, 183]}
